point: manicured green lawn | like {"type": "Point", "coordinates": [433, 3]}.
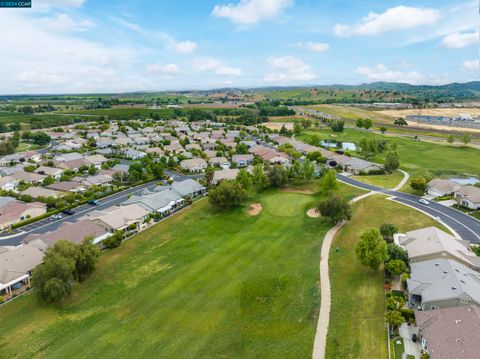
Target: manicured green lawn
{"type": "Point", "coordinates": [357, 325]}
{"type": "Point", "coordinates": [418, 157]}
{"type": "Point", "coordinates": [384, 181]}
{"type": "Point", "coordinates": [198, 285]}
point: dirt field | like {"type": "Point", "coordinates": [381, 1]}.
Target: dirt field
{"type": "Point", "coordinates": [278, 125]}
{"type": "Point", "coordinates": [432, 112]}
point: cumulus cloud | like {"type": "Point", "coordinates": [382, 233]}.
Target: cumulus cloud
{"type": "Point", "coordinates": [458, 40]}
{"type": "Point", "coordinates": [65, 23]}
{"type": "Point", "coordinates": [288, 70]}
{"type": "Point", "coordinates": [185, 47]}
{"type": "Point", "coordinates": [380, 72]}
{"type": "Point", "coordinates": [313, 46]}
{"type": "Point", "coordinates": [394, 19]}
{"type": "Point", "coordinates": [167, 69]}
{"type": "Point", "coordinates": [216, 66]}
{"type": "Point", "coordinates": [471, 65]}
{"type": "Point", "coordinates": [248, 12]}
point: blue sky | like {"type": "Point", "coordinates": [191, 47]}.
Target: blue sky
{"type": "Point", "coordinates": [73, 46]}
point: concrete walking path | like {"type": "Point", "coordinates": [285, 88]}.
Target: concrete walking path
{"type": "Point", "coordinates": [406, 176]}
{"type": "Point", "coordinates": [320, 342]}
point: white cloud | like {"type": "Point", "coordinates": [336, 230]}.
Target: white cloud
{"type": "Point", "coordinates": [313, 46]}
{"type": "Point", "coordinates": [471, 65]}
{"type": "Point", "coordinates": [380, 72]}
{"type": "Point", "coordinates": [168, 69]}
{"type": "Point", "coordinates": [228, 71]}
{"type": "Point", "coordinates": [65, 23]}
{"type": "Point", "coordinates": [458, 40]}
{"type": "Point", "coordinates": [248, 12]}
{"type": "Point", "coordinates": [185, 47]}
{"type": "Point", "coordinates": [206, 63]}
{"type": "Point", "coordinates": [288, 70]}
{"type": "Point", "coordinates": [394, 19]}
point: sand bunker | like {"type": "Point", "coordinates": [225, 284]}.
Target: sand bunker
{"type": "Point", "coordinates": [255, 209]}
{"type": "Point", "coordinates": [313, 213]}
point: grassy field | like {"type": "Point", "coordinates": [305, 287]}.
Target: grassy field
{"type": "Point", "coordinates": [198, 285]}
{"type": "Point", "coordinates": [384, 181]}
{"type": "Point", "coordinates": [357, 324]}
{"type": "Point", "coordinates": [417, 157]}
{"type": "Point", "coordinates": [351, 114]}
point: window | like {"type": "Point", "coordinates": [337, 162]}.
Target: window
{"type": "Point", "coordinates": [464, 301]}
{"type": "Point", "coordinates": [433, 307]}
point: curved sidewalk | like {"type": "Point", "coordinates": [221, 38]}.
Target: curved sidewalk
{"type": "Point", "coordinates": [320, 342]}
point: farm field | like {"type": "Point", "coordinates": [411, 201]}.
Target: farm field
{"type": "Point", "coordinates": [432, 112]}
{"type": "Point", "coordinates": [416, 157]}
{"type": "Point", "coordinates": [357, 323]}
{"type": "Point", "coordinates": [352, 113]}
{"type": "Point", "coordinates": [198, 285]}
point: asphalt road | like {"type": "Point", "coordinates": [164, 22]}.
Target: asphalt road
{"type": "Point", "coordinates": [467, 227]}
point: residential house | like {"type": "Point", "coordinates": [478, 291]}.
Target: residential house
{"type": "Point", "coordinates": [134, 154]}
{"type": "Point", "coordinates": [440, 187]}
{"type": "Point", "coordinates": [73, 165]}
{"type": "Point", "coordinates": [8, 183]}
{"type": "Point", "coordinates": [449, 333]}
{"type": "Point", "coordinates": [442, 283]}
{"type": "Point", "coordinates": [243, 160]}
{"type": "Point", "coordinates": [432, 243]}
{"type": "Point", "coordinates": [28, 177]}
{"type": "Point", "coordinates": [469, 197]}
{"type": "Point", "coordinates": [15, 211]}
{"type": "Point", "coordinates": [75, 232]}
{"type": "Point", "coordinates": [194, 164]}
{"type": "Point", "coordinates": [188, 188]}
{"type": "Point", "coordinates": [221, 162]}
{"type": "Point", "coordinates": [227, 174]}
{"type": "Point", "coordinates": [163, 201]}
{"type": "Point", "coordinates": [16, 266]}
{"type": "Point", "coordinates": [65, 157]}
{"type": "Point", "coordinates": [36, 192]}
{"type": "Point", "coordinates": [118, 218]}
{"type": "Point", "coordinates": [96, 160]}
{"type": "Point", "coordinates": [97, 180]}
{"type": "Point", "coordinates": [50, 171]}
{"type": "Point", "coordinates": [67, 186]}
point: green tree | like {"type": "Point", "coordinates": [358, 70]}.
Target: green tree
{"type": "Point", "coordinates": [450, 139]}
{"type": "Point", "coordinates": [371, 250]}
{"type": "Point", "coordinates": [41, 138]}
{"type": "Point", "coordinates": [337, 126]}
{"type": "Point", "coordinates": [308, 170]}
{"type": "Point", "coordinates": [419, 184]}
{"type": "Point", "coordinates": [48, 181]}
{"type": "Point", "coordinates": [241, 148]}
{"type": "Point", "coordinates": [87, 259]}
{"type": "Point", "coordinates": [387, 230]}
{"type": "Point", "coordinates": [297, 128]}
{"type": "Point", "coordinates": [335, 208]}
{"type": "Point", "coordinates": [383, 129]}
{"type": "Point", "coordinates": [466, 138]}
{"type": "Point", "coordinates": [114, 240]}
{"type": "Point", "coordinates": [328, 182]}
{"type": "Point", "coordinates": [259, 179]}
{"type": "Point", "coordinates": [244, 179]}
{"type": "Point", "coordinates": [228, 194]}
{"type": "Point", "coordinates": [396, 252]}
{"type": "Point", "coordinates": [359, 123]}
{"type": "Point", "coordinates": [392, 162]}
{"type": "Point", "coordinates": [396, 267]}
{"type": "Point", "coordinates": [394, 318]}
{"type": "Point", "coordinates": [278, 176]}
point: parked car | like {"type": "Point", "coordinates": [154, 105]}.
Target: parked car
{"type": "Point", "coordinates": [68, 211]}
{"type": "Point", "coordinates": [424, 201]}
{"type": "Point", "coordinates": [94, 202]}
{"type": "Point", "coordinates": [414, 337]}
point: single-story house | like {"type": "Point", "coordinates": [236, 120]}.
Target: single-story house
{"type": "Point", "coordinates": [163, 201]}
{"type": "Point", "coordinates": [449, 333]}
{"type": "Point", "coordinates": [15, 211]}
{"type": "Point", "coordinates": [221, 162]}
{"type": "Point", "coordinates": [8, 183]}
{"type": "Point", "coordinates": [16, 266]}
{"type": "Point", "coordinates": [134, 154]}
{"type": "Point", "coordinates": [97, 180]}
{"type": "Point", "coordinates": [442, 283]}
{"type": "Point", "coordinates": [243, 160]}
{"type": "Point", "coordinates": [228, 174]}
{"type": "Point", "coordinates": [36, 192]}
{"type": "Point", "coordinates": [96, 160]}
{"type": "Point", "coordinates": [64, 157]}
{"type": "Point", "coordinates": [468, 196]}
{"type": "Point", "coordinates": [50, 171]}
{"type": "Point", "coordinates": [73, 165]}
{"type": "Point", "coordinates": [118, 218]}
{"type": "Point", "coordinates": [67, 186]}
{"type": "Point", "coordinates": [75, 232]}
{"type": "Point", "coordinates": [28, 177]}
{"type": "Point", "coordinates": [438, 187]}
{"type": "Point", "coordinates": [194, 164]}
{"type": "Point", "coordinates": [188, 188]}
{"type": "Point", "coordinates": [432, 243]}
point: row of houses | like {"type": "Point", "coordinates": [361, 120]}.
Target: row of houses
{"type": "Point", "coordinates": [17, 263]}
{"type": "Point", "coordinates": [444, 290]}
{"type": "Point", "coordinates": [466, 196]}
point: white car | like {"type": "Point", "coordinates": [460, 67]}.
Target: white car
{"type": "Point", "coordinates": [56, 216]}
{"type": "Point", "coordinates": [424, 201]}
